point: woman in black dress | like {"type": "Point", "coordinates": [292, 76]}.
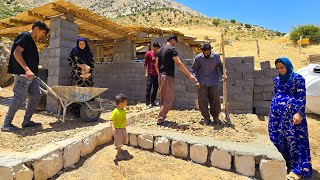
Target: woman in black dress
{"type": "Point", "coordinates": [82, 63]}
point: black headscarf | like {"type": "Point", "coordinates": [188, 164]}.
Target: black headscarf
{"type": "Point", "coordinates": [84, 54]}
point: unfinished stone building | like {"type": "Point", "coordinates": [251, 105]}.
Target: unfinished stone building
{"type": "Point", "coordinates": [115, 53]}
{"type": "Point", "coordinates": [109, 42]}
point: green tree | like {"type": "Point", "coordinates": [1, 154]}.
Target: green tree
{"type": "Point", "coordinates": [248, 26]}
{"type": "Point", "coordinates": [233, 21]}
{"type": "Point", "coordinates": [215, 21]}
{"type": "Point", "coordinates": [306, 31]}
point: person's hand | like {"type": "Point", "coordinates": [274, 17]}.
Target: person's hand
{"type": "Point", "coordinates": [192, 78]}
{"type": "Point", "coordinates": [198, 85]}
{"type": "Point", "coordinates": [113, 131]}
{"type": "Point", "coordinates": [29, 74]}
{"type": "Point", "coordinates": [86, 67]}
{"type": "Point", "coordinates": [297, 118]}
{"type": "Point", "coordinates": [224, 78]}
{"type": "Point", "coordinates": [146, 75]}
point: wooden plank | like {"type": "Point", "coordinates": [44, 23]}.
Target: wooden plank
{"type": "Point", "coordinates": [18, 22]}
{"type": "Point", "coordinates": [38, 16]}
{"type": "Point", "coordinates": [92, 21]}
{"type": "Point", "coordinates": [84, 31]}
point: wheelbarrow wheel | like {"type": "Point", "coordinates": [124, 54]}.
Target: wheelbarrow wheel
{"type": "Point", "coordinates": [88, 115]}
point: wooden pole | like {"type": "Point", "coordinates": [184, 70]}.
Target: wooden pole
{"type": "Point", "coordinates": [225, 98]}
{"type": "Point", "coordinates": [258, 48]}
{"type": "Point", "coordinates": [300, 45]}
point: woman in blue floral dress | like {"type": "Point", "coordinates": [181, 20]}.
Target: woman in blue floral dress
{"type": "Point", "coordinates": [288, 128]}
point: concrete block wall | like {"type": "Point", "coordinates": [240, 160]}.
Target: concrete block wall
{"type": "Point", "coordinates": [128, 78]}
{"type": "Point", "coordinates": [124, 51]}
{"type": "Point", "coordinates": [63, 37]}
{"type": "Point", "coordinates": [44, 58]}
{"type": "Point", "coordinates": [263, 88]}
{"type": "Point", "coordinates": [240, 84]}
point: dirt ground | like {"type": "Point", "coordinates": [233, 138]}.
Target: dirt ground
{"type": "Point", "coordinates": [143, 165]}
{"type": "Point", "coordinates": [246, 128]}
{"type": "Point", "coordinates": [51, 131]}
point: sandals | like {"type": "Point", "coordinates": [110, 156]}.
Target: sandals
{"type": "Point", "coordinates": [293, 176]}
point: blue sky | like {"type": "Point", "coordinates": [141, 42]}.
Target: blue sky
{"type": "Point", "coordinates": [280, 15]}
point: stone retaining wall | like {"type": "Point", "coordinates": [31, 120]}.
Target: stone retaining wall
{"type": "Point", "coordinates": [248, 159]}
{"type": "Point", "coordinates": [46, 162]}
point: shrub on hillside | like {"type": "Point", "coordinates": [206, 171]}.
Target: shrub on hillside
{"type": "Point", "coordinates": [248, 26]}
{"type": "Point", "coordinates": [216, 21]}
{"type": "Point", "coordinates": [306, 31]}
{"type": "Point", "coordinates": [233, 21]}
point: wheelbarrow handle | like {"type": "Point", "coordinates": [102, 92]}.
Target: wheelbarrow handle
{"type": "Point", "coordinates": [44, 84]}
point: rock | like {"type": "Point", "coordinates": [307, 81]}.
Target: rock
{"type": "Point", "coordinates": [199, 153]}
{"type": "Point", "coordinates": [245, 165]}
{"type": "Point", "coordinates": [104, 136]}
{"type": "Point", "coordinates": [5, 173]}
{"type": "Point", "coordinates": [133, 140]}
{"type": "Point", "coordinates": [273, 169]}
{"type": "Point", "coordinates": [48, 166]}
{"type": "Point", "coordinates": [88, 145]}
{"type": "Point", "coordinates": [23, 172]}
{"type": "Point", "coordinates": [162, 145]}
{"type": "Point", "coordinates": [145, 141]}
{"type": "Point", "coordinates": [71, 154]}
{"type": "Point", "coordinates": [179, 149]}
{"type": "Point", "coordinates": [221, 159]}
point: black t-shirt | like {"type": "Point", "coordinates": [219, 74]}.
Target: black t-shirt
{"type": "Point", "coordinates": [29, 54]}
{"type": "Point", "coordinates": [165, 60]}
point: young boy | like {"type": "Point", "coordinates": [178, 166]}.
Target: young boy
{"type": "Point", "coordinates": [118, 124]}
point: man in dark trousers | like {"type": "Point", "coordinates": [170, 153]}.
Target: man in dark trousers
{"type": "Point", "coordinates": [207, 67]}
{"type": "Point", "coordinates": [23, 63]}
{"type": "Point", "coordinates": [151, 75]}
{"type": "Point", "coordinates": [167, 58]}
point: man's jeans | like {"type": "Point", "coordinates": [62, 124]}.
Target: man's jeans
{"type": "Point", "coordinates": [23, 88]}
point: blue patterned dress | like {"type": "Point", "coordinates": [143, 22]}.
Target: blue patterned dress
{"type": "Point", "coordinates": [291, 140]}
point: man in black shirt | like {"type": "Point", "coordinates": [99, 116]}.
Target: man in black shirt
{"type": "Point", "coordinates": [23, 63]}
{"type": "Point", "coordinates": [165, 66]}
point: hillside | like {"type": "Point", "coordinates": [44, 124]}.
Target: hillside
{"type": "Point", "coordinates": [150, 13]}
{"type": "Point", "coordinates": [114, 8]}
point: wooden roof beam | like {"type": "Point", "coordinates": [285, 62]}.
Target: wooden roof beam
{"type": "Point", "coordinates": [6, 25]}
{"type": "Point", "coordinates": [91, 20]}
{"type": "Point", "coordinates": [83, 31]}
{"type": "Point", "coordinates": [18, 22]}
{"type": "Point", "coordinates": [38, 16]}
{"type": "Point", "coordinates": [18, 29]}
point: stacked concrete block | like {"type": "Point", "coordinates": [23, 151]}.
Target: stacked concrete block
{"type": "Point", "coordinates": [126, 78]}
{"type": "Point", "coordinates": [124, 51]}
{"type": "Point", "coordinates": [240, 84]}
{"type": "Point", "coordinates": [63, 37]}
{"type": "Point", "coordinates": [44, 58]}
{"type": "Point", "coordinates": [186, 95]}
{"type": "Point", "coordinates": [264, 88]}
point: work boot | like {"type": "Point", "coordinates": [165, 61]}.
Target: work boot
{"type": "Point", "coordinates": [206, 122]}
{"type": "Point", "coordinates": [30, 124]}
{"type": "Point", "coordinates": [9, 128]}
{"type": "Point", "coordinates": [216, 120]}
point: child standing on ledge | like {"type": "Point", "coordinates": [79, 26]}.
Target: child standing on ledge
{"type": "Point", "coordinates": [118, 124]}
